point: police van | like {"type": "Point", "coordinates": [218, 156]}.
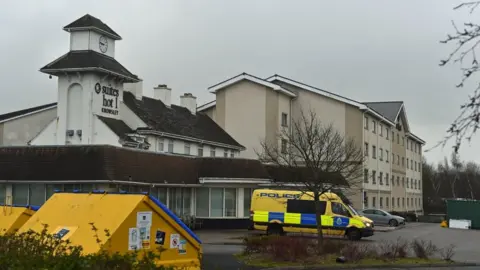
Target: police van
{"type": "Point", "coordinates": [287, 211]}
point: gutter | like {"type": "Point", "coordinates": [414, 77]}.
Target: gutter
{"type": "Point", "coordinates": [97, 181]}
{"type": "Point", "coordinates": [185, 138]}
{"type": "Point", "coordinates": [222, 180]}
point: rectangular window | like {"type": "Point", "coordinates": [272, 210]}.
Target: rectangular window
{"type": "Point", "coordinates": [374, 151]}
{"type": "Point", "coordinates": [170, 146]}
{"type": "Point", "coordinates": [230, 202]}
{"type": "Point", "coordinates": [403, 181]}
{"type": "Point", "coordinates": [284, 146]}
{"type": "Point", "coordinates": [212, 151]}
{"type": "Point", "coordinates": [20, 194]}
{"type": "Point", "coordinates": [398, 138]}
{"type": "Point", "coordinates": [387, 180]}
{"type": "Point", "coordinates": [200, 151]}
{"type": "Point", "coordinates": [247, 199]}
{"type": "Point", "coordinates": [407, 163]}
{"type": "Point", "coordinates": [408, 199]}
{"type": "Point", "coordinates": [51, 189]}
{"type": "Point", "coordinates": [3, 194]}
{"type": "Point", "coordinates": [162, 195]}
{"type": "Point", "coordinates": [408, 185]}
{"type": "Point", "coordinates": [374, 125]}
{"type": "Point", "coordinates": [380, 178]}
{"type": "Point", "coordinates": [187, 149]}
{"type": "Point", "coordinates": [393, 158]}
{"type": "Point", "coordinates": [398, 159]}
{"type": "Point", "coordinates": [160, 145]}
{"type": "Point", "coordinates": [381, 202]}
{"type": "Point", "coordinates": [393, 180]}
{"type": "Point", "coordinates": [187, 201]}
{"type": "Point", "coordinates": [411, 164]}
{"type": "Point", "coordinates": [386, 201]}
{"type": "Point", "coordinates": [232, 154]}
{"type": "Point", "coordinates": [365, 122]}
{"type": "Point", "coordinates": [365, 175]}
{"type": "Point", "coordinates": [403, 162]}
{"type": "Point", "coordinates": [403, 140]}
{"type": "Point", "coordinates": [225, 152]}
{"type": "Point", "coordinates": [393, 136]}
{"type": "Point", "coordinates": [403, 202]}
{"type": "Point", "coordinates": [393, 201]}
{"type": "Point", "coordinates": [381, 154]}
{"type": "Point", "coordinates": [175, 200]}
{"type": "Point", "coordinates": [202, 202]}
{"type": "Point", "coordinates": [381, 130]}
{"type": "Point", "coordinates": [387, 131]}
{"type": "Point", "coordinates": [408, 142]}
{"type": "Point", "coordinates": [216, 202]}
{"type": "Point", "coordinates": [398, 202]}
{"type": "Point", "coordinates": [415, 165]}
{"type": "Point", "coordinates": [284, 120]}
{"type": "Point", "coordinates": [374, 202]}
{"type": "Point", "coordinates": [374, 177]}
{"type": "Point", "coordinates": [366, 149]}
{"type": "Point", "coordinates": [386, 155]}
{"type": "Point", "coordinates": [304, 206]}
{"type": "Point", "coordinates": [398, 180]}
{"type": "Point", "coordinates": [37, 194]}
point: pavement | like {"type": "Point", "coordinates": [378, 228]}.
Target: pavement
{"type": "Point", "coordinates": [219, 246]}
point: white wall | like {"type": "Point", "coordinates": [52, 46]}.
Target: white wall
{"type": "Point", "coordinates": [131, 119]}
{"type": "Point", "coordinates": [89, 40]}
{"type": "Point", "coordinates": [103, 134]}
{"type": "Point", "coordinates": [48, 136]}
{"type": "Point", "coordinates": [179, 147]}
{"type": "Point", "coordinates": [20, 131]}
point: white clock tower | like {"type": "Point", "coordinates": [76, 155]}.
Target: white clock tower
{"type": "Point", "coordinates": [90, 80]}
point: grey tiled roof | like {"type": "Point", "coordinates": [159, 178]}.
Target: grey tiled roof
{"type": "Point", "coordinates": [389, 109]}
{"type": "Point", "coordinates": [90, 22]}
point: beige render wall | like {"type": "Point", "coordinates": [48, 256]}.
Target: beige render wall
{"type": "Point", "coordinates": [399, 168]}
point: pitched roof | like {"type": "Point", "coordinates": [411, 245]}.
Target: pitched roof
{"type": "Point", "coordinates": [88, 22]}
{"type": "Point", "coordinates": [177, 120]}
{"type": "Point", "coordinates": [246, 76]}
{"type": "Point", "coordinates": [389, 109]}
{"type": "Point", "coordinates": [10, 115]}
{"type": "Point", "coordinates": [117, 126]}
{"type": "Point", "coordinates": [89, 60]}
{"type": "Point", "coordinates": [110, 163]}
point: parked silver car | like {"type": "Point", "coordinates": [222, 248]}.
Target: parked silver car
{"type": "Point", "coordinates": [382, 217]}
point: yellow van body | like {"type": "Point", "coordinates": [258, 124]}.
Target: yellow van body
{"type": "Point", "coordinates": [288, 211]}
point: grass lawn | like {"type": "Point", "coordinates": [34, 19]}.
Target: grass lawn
{"type": "Point", "coordinates": [262, 261]}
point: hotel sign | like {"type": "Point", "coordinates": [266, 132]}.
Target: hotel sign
{"type": "Point", "coordinates": [110, 98]}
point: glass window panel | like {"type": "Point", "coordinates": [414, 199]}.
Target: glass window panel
{"type": "Point", "coordinates": [69, 187]}
{"type": "Point", "coordinates": [187, 201]}
{"type": "Point", "coordinates": [20, 194]}
{"type": "Point", "coordinates": [230, 202]}
{"type": "Point", "coordinates": [3, 193]}
{"type": "Point", "coordinates": [162, 195]}
{"type": "Point", "coordinates": [51, 188]}
{"type": "Point", "coordinates": [216, 202]}
{"type": "Point", "coordinates": [37, 194]}
{"type": "Point", "coordinates": [247, 198]}
{"type": "Point", "coordinates": [202, 199]}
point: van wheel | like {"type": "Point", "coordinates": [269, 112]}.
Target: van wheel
{"type": "Point", "coordinates": [274, 229]}
{"type": "Point", "coordinates": [353, 234]}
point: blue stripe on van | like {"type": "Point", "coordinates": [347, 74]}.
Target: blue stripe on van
{"type": "Point", "coordinates": [276, 216]}
{"type": "Point", "coordinates": [308, 219]}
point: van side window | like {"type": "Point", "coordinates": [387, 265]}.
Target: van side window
{"type": "Point", "coordinates": [339, 209]}
{"type": "Point", "coordinates": [304, 206]}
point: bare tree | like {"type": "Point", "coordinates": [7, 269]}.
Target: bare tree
{"type": "Point", "coordinates": [472, 171]}
{"type": "Point", "coordinates": [316, 156]}
{"type": "Point", "coordinates": [466, 39]}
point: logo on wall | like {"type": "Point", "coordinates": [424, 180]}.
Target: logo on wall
{"type": "Point", "coordinates": [110, 98]}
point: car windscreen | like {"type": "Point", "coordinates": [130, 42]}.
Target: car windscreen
{"type": "Point", "coordinates": [354, 212]}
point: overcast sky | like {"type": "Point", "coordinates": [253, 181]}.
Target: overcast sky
{"type": "Point", "coordinates": [365, 50]}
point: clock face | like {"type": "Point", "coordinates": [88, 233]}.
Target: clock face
{"type": "Point", "coordinates": [103, 44]}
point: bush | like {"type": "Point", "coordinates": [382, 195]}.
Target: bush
{"type": "Point", "coordinates": [423, 249]}
{"type": "Point", "coordinates": [392, 250]}
{"type": "Point", "coordinates": [32, 250]}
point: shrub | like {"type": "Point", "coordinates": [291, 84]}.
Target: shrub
{"type": "Point", "coordinates": [32, 250]}
{"type": "Point", "coordinates": [357, 252]}
{"type": "Point", "coordinates": [447, 253]}
{"type": "Point", "coordinates": [423, 249]}
{"type": "Point", "coordinates": [391, 250]}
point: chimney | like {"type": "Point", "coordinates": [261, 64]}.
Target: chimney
{"type": "Point", "coordinates": [189, 101]}
{"type": "Point", "coordinates": [163, 93]}
{"type": "Point", "coordinates": [134, 88]}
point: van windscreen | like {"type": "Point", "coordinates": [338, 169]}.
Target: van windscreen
{"type": "Point", "coordinates": [304, 206]}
